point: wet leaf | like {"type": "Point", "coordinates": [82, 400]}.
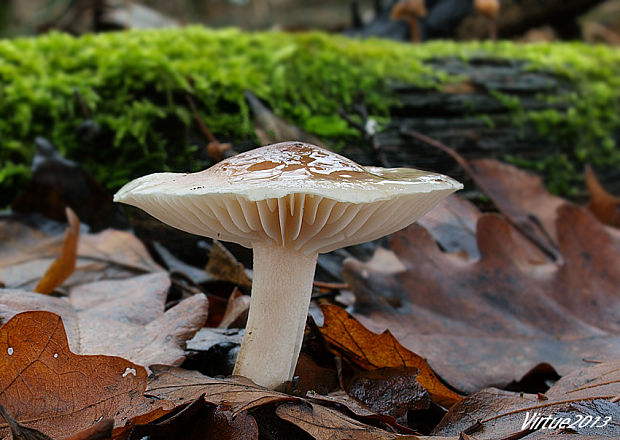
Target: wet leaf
{"type": "Point", "coordinates": [123, 318]}
{"type": "Point", "coordinates": [63, 266]}
{"type": "Point", "coordinates": [370, 351]}
{"type": "Point", "coordinates": [580, 394]}
{"type": "Point", "coordinates": [238, 393]}
{"type": "Point", "coordinates": [47, 387]}
{"type": "Point", "coordinates": [325, 423]}
{"type": "Point", "coordinates": [603, 205]}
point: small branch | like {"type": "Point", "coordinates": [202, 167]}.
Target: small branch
{"type": "Point", "coordinates": [203, 127]}
{"type": "Point", "coordinates": [331, 286]}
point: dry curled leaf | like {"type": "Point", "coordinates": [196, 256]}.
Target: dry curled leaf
{"type": "Point", "coordinates": [45, 386]}
{"type": "Point", "coordinates": [522, 197]}
{"type": "Point", "coordinates": [63, 266]}
{"type": "Point", "coordinates": [368, 350]}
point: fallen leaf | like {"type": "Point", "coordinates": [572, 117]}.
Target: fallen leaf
{"type": "Point", "coordinates": [603, 205]}
{"type": "Point", "coordinates": [227, 426]}
{"type": "Point", "coordinates": [63, 266]}
{"type": "Point", "coordinates": [309, 376]}
{"type": "Point", "coordinates": [452, 223]}
{"type": "Point", "coordinates": [325, 423]}
{"type": "Point", "coordinates": [519, 195]}
{"type": "Point", "coordinates": [45, 386]}
{"type": "Point", "coordinates": [390, 391]}
{"type": "Point", "coordinates": [522, 197]}
{"type": "Point", "coordinates": [223, 266]}
{"type": "Point", "coordinates": [580, 394]}
{"type": "Point", "coordinates": [236, 313]}
{"type": "Point", "coordinates": [238, 393]}
{"type": "Point", "coordinates": [191, 422]}
{"type": "Point", "coordinates": [369, 351]}
{"type": "Point", "coordinates": [122, 318]}
{"type": "Point", "coordinates": [101, 430]}
{"type": "Point", "coordinates": [488, 322]}
{"type": "Point", "coordinates": [19, 432]}
{"type": "Point", "coordinates": [356, 409]}
{"type": "Point", "coordinates": [214, 349]}
{"type": "Point", "coordinates": [27, 252]}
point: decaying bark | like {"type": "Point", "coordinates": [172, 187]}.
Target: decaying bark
{"type": "Point", "coordinates": [471, 118]}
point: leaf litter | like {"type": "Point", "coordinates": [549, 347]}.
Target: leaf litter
{"type": "Point", "coordinates": [484, 298]}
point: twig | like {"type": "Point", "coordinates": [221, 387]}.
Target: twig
{"type": "Point", "coordinates": [80, 100]}
{"type": "Point", "coordinates": [331, 286]}
{"type": "Point", "coordinates": [203, 127]}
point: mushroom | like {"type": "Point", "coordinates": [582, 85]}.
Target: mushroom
{"type": "Point", "coordinates": [410, 10]}
{"type": "Point", "coordinates": [490, 9]}
{"type": "Point", "coordinates": [288, 202]}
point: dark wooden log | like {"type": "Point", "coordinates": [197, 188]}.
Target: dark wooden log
{"type": "Point", "coordinates": [470, 118]}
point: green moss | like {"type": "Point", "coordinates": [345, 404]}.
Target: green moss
{"type": "Point", "coordinates": [135, 86]}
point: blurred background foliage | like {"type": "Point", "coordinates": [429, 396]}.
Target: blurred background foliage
{"type": "Point", "coordinates": [119, 103]}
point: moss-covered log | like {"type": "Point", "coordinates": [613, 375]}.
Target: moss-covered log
{"type": "Point", "coordinates": [117, 103]}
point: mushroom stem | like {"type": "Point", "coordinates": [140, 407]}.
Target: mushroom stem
{"type": "Point", "coordinates": [414, 30]}
{"type": "Point", "coordinates": [281, 291]}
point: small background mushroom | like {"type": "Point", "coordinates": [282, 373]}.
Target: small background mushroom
{"type": "Point", "coordinates": [410, 10]}
{"type": "Point", "coordinates": [490, 9]}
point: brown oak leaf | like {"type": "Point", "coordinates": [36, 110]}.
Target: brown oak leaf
{"type": "Point", "coordinates": [488, 321]}
{"type": "Point", "coordinates": [370, 351]}
{"type": "Point", "coordinates": [45, 386]}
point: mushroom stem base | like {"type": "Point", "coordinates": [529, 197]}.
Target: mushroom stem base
{"type": "Point", "coordinates": [281, 291]}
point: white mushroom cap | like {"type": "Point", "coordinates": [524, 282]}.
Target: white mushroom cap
{"type": "Point", "coordinates": [292, 195]}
